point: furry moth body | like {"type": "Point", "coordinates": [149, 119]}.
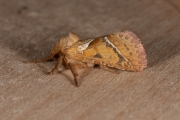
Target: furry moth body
{"type": "Point", "coordinates": [113, 52]}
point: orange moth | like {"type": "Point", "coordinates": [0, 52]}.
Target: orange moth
{"type": "Point", "coordinates": [113, 52]}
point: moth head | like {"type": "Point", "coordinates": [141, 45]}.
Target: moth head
{"type": "Point", "coordinates": [64, 43]}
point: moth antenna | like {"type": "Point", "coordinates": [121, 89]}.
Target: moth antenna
{"type": "Point", "coordinates": [48, 58]}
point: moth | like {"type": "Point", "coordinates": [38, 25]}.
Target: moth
{"type": "Point", "coordinates": [113, 52]}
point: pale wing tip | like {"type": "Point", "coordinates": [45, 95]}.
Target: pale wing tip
{"type": "Point", "coordinates": [140, 49]}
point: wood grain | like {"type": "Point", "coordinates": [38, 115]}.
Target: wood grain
{"type": "Point", "coordinates": [30, 28]}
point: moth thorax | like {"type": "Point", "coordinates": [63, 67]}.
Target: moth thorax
{"type": "Point", "coordinates": [71, 42]}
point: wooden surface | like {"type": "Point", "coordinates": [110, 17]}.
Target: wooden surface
{"type": "Point", "coordinates": [30, 28]}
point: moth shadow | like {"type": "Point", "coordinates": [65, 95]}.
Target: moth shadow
{"type": "Point", "coordinates": [27, 50]}
{"type": "Point", "coordinates": [161, 49]}
{"type": "Point", "coordinates": [64, 72]}
{"type": "Point", "coordinates": [68, 77]}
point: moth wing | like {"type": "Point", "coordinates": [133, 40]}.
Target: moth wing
{"type": "Point", "coordinates": [98, 51]}
{"type": "Point", "coordinates": [131, 49]}
{"type": "Point", "coordinates": [121, 50]}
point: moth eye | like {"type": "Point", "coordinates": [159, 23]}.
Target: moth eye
{"type": "Point", "coordinates": [56, 56]}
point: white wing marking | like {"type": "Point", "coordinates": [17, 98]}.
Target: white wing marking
{"type": "Point", "coordinates": [82, 47]}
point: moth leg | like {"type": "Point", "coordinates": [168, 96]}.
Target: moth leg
{"type": "Point", "coordinates": [58, 64]}
{"type": "Point", "coordinates": [65, 64]}
{"type": "Point", "coordinates": [114, 70]}
{"type": "Point", "coordinates": [48, 58]}
{"type": "Point", "coordinates": [75, 73]}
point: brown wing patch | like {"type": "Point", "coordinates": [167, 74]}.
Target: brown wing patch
{"type": "Point", "coordinates": [130, 47]}
{"type": "Point", "coordinates": [97, 56]}
{"type": "Point", "coordinates": [102, 52]}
